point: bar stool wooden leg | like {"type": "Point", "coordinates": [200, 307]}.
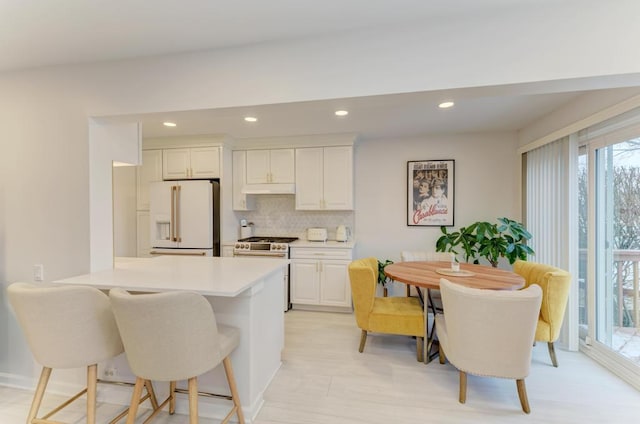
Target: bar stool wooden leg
{"type": "Point", "coordinates": [193, 400]}
{"type": "Point", "coordinates": [135, 400]}
{"type": "Point", "coordinates": [92, 387]}
{"type": "Point", "coordinates": [37, 397]}
{"type": "Point", "coordinates": [172, 397]}
{"type": "Point", "coordinates": [231, 379]}
{"type": "Point", "coordinates": [152, 394]}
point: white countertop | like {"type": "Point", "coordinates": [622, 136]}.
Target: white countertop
{"type": "Point", "coordinates": [324, 244]}
{"type": "Point", "coordinates": [210, 276]}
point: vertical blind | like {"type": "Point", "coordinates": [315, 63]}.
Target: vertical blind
{"type": "Point", "coordinates": [548, 202]}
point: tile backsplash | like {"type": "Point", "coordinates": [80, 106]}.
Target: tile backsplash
{"type": "Point", "coordinates": [276, 215]}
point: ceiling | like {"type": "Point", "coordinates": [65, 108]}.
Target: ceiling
{"type": "Point", "coordinates": [397, 115]}
{"type": "Point", "coordinates": [39, 33]}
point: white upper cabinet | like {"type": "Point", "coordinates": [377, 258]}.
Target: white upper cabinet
{"type": "Point", "coordinates": [148, 172]}
{"type": "Point", "coordinates": [205, 162]}
{"type": "Point", "coordinates": [241, 202]}
{"type": "Point", "coordinates": [270, 166]}
{"type": "Point", "coordinates": [324, 178]}
{"type": "Point", "coordinates": [191, 163]}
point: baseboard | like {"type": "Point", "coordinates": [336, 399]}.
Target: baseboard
{"type": "Point", "coordinates": [321, 308]}
{"type": "Point", "coordinates": [623, 368]}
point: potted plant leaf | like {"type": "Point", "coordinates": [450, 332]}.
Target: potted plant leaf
{"type": "Point", "coordinates": [382, 278]}
{"type": "Point", "coordinates": [506, 239]}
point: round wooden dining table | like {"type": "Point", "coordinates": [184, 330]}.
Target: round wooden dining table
{"type": "Point", "coordinates": [426, 275]}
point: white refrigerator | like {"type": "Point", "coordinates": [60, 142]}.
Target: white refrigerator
{"type": "Point", "coordinates": [185, 218]}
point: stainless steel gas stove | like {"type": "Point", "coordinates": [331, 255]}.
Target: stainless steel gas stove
{"type": "Point", "coordinates": [272, 247]}
{"type": "Point", "coordinates": [263, 246]}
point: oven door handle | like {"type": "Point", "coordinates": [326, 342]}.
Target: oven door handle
{"type": "Point", "coordinates": [260, 254]}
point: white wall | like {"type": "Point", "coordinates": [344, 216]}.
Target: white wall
{"type": "Point", "coordinates": [124, 211]}
{"type": "Point", "coordinates": [44, 113]}
{"type": "Point", "coordinates": [486, 187]}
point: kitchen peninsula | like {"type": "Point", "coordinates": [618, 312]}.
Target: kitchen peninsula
{"type": "Point", "coordinates": [245, 293]}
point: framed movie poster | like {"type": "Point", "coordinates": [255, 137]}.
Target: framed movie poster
{"type": "Point", "coordinates": [430, 192]}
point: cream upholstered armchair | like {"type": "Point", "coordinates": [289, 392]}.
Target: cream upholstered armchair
{"type": "Point", "coordinates": [390, 315]}
{"type": "Point", "coordinates": [488, 333]}
{"type": "Point", "coordinates": [555, 284]}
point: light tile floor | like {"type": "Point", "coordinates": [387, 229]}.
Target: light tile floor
{"type": "Point", "coordinates": [325, 380]}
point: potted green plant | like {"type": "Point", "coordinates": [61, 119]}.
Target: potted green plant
{"type": "Point", "coordinates": [483, 239]}
{"type": "Point", "coordinates": [382, 278]}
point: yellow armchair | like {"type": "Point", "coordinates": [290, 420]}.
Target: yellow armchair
{"type": "Point", "coordinates": [390, 315]}
{"type": "Point", "coordinates": [555, 284]}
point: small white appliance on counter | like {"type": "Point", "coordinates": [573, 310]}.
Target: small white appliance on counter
{"type": "Point", "coordinates": [342, 233]}
{"type": "Point", "coordinates": [185, 218]}
{"type": "Point", "coordinates": [317, 234]}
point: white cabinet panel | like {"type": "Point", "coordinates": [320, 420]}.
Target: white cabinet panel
{"type": "Point", "coordinates": [338, 178]}
{"type": "Point", "coordinates": [270, 166]}
{"type": "Point", "coordinates": [319, 277]}
{"type": "Point", "coordinates": [335, 289]}
{"type": "Point", "coordinates": [148, 172]}
{"type": "Point", "coordinates": [241, 202]}
{"type": "Point", "coordinates": [143, 243]}
{"type": "Point", "coordinates": [191, 163]}
{"type": "Point", "coordinates": [258, 166]}
{"type": "Point", "coordinates": [309, 176]}
{"type": "Point", "coordinates": [305, 282]}
{"type": "Point", "coordinates": [282, 166]}
{"type": "Point", "coordinates": [324, 178]}
{"type": "Point", "coordinates": [205, 162]}
{"type": "Point", "coordinates": [175, 164]}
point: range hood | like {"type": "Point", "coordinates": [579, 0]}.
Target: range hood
{"type": "Point", "coordinates": [269, 189]}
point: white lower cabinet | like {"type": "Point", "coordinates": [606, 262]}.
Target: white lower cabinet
{"type": "Point", "coordinates": [320, 277]}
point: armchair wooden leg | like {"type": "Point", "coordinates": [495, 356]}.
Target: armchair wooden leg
{"type": "Point", "coordinates": [92, 387]}
{"type": "Point", "coordinates": [408, 290]}
{"type": "Point", "coordinates": [552, 354]}
{"type": "Point", "coordinates": [522, 394]}
{"type": "Point", "coordinates": [363, 340]}
{"type": "Point", "coordinates": [37, 397]}
{"type": "Point", "coordinates": [441, 356]}
{"type": "Point", "coordinates": [193, 400]}
{"type": "Point", "coordinates": [463, 387]}
{"type": "Point", "coordinates": [419, 345]}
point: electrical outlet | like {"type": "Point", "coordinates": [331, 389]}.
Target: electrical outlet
{"type": "Point", "coordinates": [38, 272]}
{"type": "Point", "coordinates": [110, 372]}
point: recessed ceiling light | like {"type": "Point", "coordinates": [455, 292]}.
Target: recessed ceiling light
{"type": "Point", "coordinates": [250, 119]}
{"type": "Point", "coordinates": [342, 112]}
{"type": "Point", "coordinates": [446, 105]}
{"type": "Point", "coordinates": [169, 124]}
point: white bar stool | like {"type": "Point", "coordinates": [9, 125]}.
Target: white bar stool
{"type": "Point", "coordinates": [173, 336]}
{"type": "Point", "coordinates": [68, 327]}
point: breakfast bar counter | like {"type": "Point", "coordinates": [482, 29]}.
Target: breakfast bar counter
{"type": "Point", "coordinates": [245, 293]}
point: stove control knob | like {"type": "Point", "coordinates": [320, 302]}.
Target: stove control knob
{"type": "Point", "coordinates": [237, 246]}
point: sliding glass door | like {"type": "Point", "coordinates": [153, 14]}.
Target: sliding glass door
{"type": "Point", "coordinates": [616, 236]}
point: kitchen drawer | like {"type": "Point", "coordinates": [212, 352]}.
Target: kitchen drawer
{"type": "Point", "coordinates": [320, 253]}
